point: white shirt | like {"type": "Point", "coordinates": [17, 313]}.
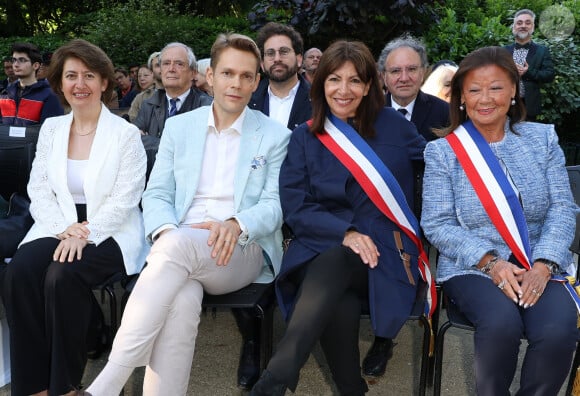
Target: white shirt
{"type": "Point", "coordinates": [280, 107]}
{"type": "Point", "coordinates": [75, 174]}
{"type": "Point", "coordinates": [214, 197]}
{"type": "Point", "coordinates": [409, 107]}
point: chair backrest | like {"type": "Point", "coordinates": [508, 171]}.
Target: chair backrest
{"type": "Point", "coordinates": [574, 176]}
{"type": "Point", "coordinates": [17, 149]}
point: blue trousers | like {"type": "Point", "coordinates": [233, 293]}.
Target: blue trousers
{"type": "Point", "coordinates": [549, 326]}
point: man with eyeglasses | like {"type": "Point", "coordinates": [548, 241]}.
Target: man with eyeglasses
{"type": "Point", "coordinates": [283, 94]}
{"type": "Point", "coordinates": [402, 64]}
{"type": "Point", "coordinates": [178, 69]}
{"type": "Point", "coordinates": [27, 101]}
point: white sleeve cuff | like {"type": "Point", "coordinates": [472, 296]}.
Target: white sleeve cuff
{"type": "Point", "coordinates": [155, 234]}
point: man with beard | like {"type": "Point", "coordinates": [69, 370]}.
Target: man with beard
{"type": "Point", "coordinates": [311, 59]}
{"type": "Point", "coordinates": [283, 94]}
{"type": "Point", "coordinates": [533, 61]}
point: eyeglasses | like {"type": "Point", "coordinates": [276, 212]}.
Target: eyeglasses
{"type": "Point", "coordinates": [20, 60]}
{"type": "Point", "coordinates": [283, 51]}
{"type": "Point", "coordinates": [396, 72]}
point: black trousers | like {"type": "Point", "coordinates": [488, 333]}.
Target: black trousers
{"type": "Point", "coordinates": [48, 308]}
{"type": "Point", "coordinates": [328, 309]}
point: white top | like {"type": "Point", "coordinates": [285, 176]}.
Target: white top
{"type": "Point", "coordinates": [214, 198]}
{"type": "Point", "coordinates": [75, 174]}
{"type": "Point", "coordinates": [280, 107]}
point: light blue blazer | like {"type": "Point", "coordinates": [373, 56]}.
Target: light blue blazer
{"type": "Point", "coordinates": [175, 177]}
{"type": "Point", "coordinates": [455, 222]}
{"type": "Point", "coordinates": [113, 185]}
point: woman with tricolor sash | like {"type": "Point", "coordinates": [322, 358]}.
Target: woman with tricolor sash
{"type": "Point", "coordinates": [346, 188]}
{"type": "Point", "coordinates": [497, 205]}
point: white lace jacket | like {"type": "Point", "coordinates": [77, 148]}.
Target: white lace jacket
{"type": "Point", "coordinates": [113, 185]}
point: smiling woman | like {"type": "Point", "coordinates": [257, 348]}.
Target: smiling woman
{"type": "Point", "coordinates": [491, 169]}
{"type": "Point", "coordinates": [85, 187]}
{"type": "Point", "coordinates": [342, 242]}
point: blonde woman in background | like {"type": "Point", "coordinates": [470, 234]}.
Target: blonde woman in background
{"type": "Point", "coordinates": [438, 83]}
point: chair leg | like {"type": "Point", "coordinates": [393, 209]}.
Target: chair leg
{"type": "Point", "coordinates": [424, 355]}
{"type": "Point", "coordinates": [113, 308]}
{"type": "Point", "coordinates": [439, 358]}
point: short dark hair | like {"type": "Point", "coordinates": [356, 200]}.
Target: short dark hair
{"type": "Point", "coordinates": [121, 70]}
{"type": "Point", "coordinates": [236, 41]}
{"type": "Point", "coordinates": [362, 59]}
{"type": "Point", "coordinates": [92, 56]}
{"type": "Point", "coordinates": [277, 29]}
{"type": "Point", "coordinates": [482, 57]}
{"type": "Point", "coordinates": [29, 49]}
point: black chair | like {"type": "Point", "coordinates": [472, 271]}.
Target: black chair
{"type": "Point", "coordinates": [15, 164]}
{"type": "Point", "coordinates": [17, 149]}
{"type": "Point", "coordinates": [574, 176]}
{"type": "Point", "coordinates": [456, 319]}
{"type": "Point", "coordinates": [259, 297]}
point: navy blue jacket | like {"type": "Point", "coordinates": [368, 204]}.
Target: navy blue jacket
{"type": "Point", "coordinates": [429, 112]}
{"type": "Point", "coordinates": [321, 200]}
{"type": "Point", "coordinates": [301, 108]}
{"type": "Point", "coordinates": [37, 103]}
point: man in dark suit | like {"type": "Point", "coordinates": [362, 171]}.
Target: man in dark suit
{"type": "Point", "coordinates": [402, 64]}
{"type": "Point", "coordinates": [533, 61]}
{"type": "Point", "coordinates": [178, 68]}
{"type": "Point", "coordinates": [283, 94]}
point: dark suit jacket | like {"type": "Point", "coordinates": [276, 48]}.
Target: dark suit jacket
{"type": "Point", "coordinates": [429, 112]}
{"type": "Point", "coordinates": [153, 112]}
{"type": "Point", "coordinates": [301, 108]}
{"type": "Point", "coordinates": [540, 70]}
{"type": "Point", "coordinates": [321, 200]}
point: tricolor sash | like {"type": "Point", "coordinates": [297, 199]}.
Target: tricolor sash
{"type": "Point", "coordinates": [380, 185]}
{"type": "Point", "coordinates": [496, 194]}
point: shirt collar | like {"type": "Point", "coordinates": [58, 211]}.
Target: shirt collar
{"type": "Point", "coordinates": [236, 126]}
{"type": "Point", "coordinates": [409, 107]}
{"type": "Point", "coordinates": [180, 97]}
{"type": "Point", "coordinates": [291, 93]}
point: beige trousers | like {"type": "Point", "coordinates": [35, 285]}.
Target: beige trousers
{"type": "Point", "coordinates": [159, 325]}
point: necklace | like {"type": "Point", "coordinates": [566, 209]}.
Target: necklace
{"type": "Point", "coordinates": [78, 133]}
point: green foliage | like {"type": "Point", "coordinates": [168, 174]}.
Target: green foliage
{"type": "Point", "coordinates": [45, 42]}
{"type": "Point", "coordinates": [130, 32]}
{"type": "Point", "coordinates": [465, 25]}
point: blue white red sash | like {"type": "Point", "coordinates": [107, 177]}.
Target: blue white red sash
{"type": "Point", "coordinates": [496, 194]}
{"type": "Point", "coordinates": [381, 187]}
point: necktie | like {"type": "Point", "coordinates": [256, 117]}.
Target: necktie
{"type": "Point", "coordinates": [403, 111]}
{"type": "Point", "coordinates": [172, 107]}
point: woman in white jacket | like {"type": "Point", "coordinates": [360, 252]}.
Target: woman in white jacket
{"type": "Point", "coordinates": [85, 188]}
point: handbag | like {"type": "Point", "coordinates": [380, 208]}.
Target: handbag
{"type": "Point", "coordinates": [15, 225]}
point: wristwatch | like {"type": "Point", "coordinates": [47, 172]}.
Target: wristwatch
{"type": "Point", "coordinates": [552, 266]}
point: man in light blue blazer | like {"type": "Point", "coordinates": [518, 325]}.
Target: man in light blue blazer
{"type": "Point", "coordinates": [212, 212]}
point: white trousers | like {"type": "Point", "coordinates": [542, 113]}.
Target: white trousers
{"type": "Point", "coordinates": [160, 322]}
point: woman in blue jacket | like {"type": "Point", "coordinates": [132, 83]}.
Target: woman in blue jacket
{"type": "Point", "coordinates": [344, 250]}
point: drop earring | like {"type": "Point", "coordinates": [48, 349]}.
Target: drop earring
{"type": "Point", "coordinates": [513, 101]}
{"type": "Point", "coordinates": [462, 107]}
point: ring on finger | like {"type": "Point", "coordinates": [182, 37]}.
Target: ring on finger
{"type": "Point", "coordinates": [536, 292]}
{"type": "Point", "coordinates": [501, 284]}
